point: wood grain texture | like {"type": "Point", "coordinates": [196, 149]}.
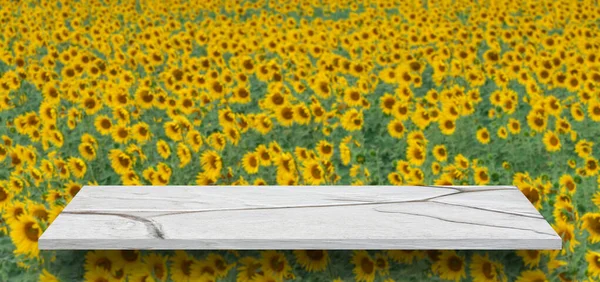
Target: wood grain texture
{"type": "Point", "coordinates": [299, 217]}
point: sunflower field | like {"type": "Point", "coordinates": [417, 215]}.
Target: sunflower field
{"type": "Point", "coordinates": [299, 92]}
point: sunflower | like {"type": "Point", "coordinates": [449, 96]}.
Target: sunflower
{"type": "Point", "coordinates": [144, 97]}
{"type": "Point", "coordinates": [38, 210]}
{"type": "Point", "coordinates": [103, 124]}
{"type": "Point", "coordinates": [364, 266]}
{"type": "Point", "coordinates": [514, 126]}
{"type": "Point", "coordinates": [184, 155]}
{"type": "Point", "coordinates": [129, 260]}
{"type": "Point", "coordinates": [405, 256]}
{"type": "Point", "coordinates": [211, 162]}
{"type": "Point", "coordinates": [5, 196]}
{"type": "Point", "coordinates": [450, 266]}
{"type": "Point", "coordinates": [400, 110]}
{"type": "Point", "coordinates": [13, 211]}
{"type": "Point", "coordinates": [251, 162]}
{"type": "Point", "coordinates": [312, 260]}
{"type": "Point", "coordinates": [232, 134]}
{"type": "Point", "coordinates": [502, 132]}
{"type": "Point", "coordinates": [591, 223]}
{"type": "Point", "coordinates": [203, 270]}
{"type": "Point", "coordinates": [395, 178]}
{"type": "Point", "coordinates": [461, 161]}
{"type": "Point", "coordinates": [301, 114]}
{"type": "Point", "coordinates": [120, 133]}
{"type": "Point", "coordinates": [216, 89]}
{"type": "Point", "coordinates": [173, 130]}
{"type": "Point", "coordinates": [353, 97]}
{"type": "Point", "coordinates": [263, 123]}
{"type": "Point", "coordinates": [3, 152]}
{"type": "Point", "coordinates": [87, 151]}
{"type": "Point", "coordinates": [532, 194]}
{"type": "Point", "coordinates": [77, 167]}
{"type": "Point", "coordinates": [537, 121]}
{"type": "Point", "coordinates": [591, 166]}
{"type": "Point", "coordinates": [553, 262]}
{"type": "Point", "coordinates": [447, 125]}
{"type": "Point", "coordinates": [248, 269]}
{"type": "Point", "coordinates": [593, 260]}
{"type": "Point", "coordinates": [313, 173]}
{"type": "Point", "coordinates": [416, 176]}
{"type": "Point", "coordinates": [217, 140]}
{"type": "Point", "coordinates": [325, 150]}
{"type": "Point", "coordinates": [157, 265]}
{"type": "Point", "coordinates": [302, 154]}
{"type": "Point", "coordinates": [321, 86]}
{"type": "Point", "coordinates": [387, 103]}
{"type": "Point", "coordinates": [259, 182]}
{"type": "Point", "coordinates": [566, 231]}
{"type": "Point", "coordinates": [531, 276]}
{"type": "Point", "coordinates": [140, 275]}
{"type": "Point", "coordinates": [567, 182]}
{"type": "Point", "coordinates": [102, 259]}
{"type": "Point", "coordinates": [564, 210]}
{"type": "Point", "coordinates": [91, 105]}
{"type": "Point", "coordinates": [481, 176]}
{"type": "Point", "coordinates": [46, 276]}
{"type": "Point", "coordinates": [583, 148]}
{"type": "Point", "coordinates": [275, 99]}
{"type": "Point", "coordinates": [163, 149]}
{"type": "Point", "coordinates": [264, 156]}
{"type": "Point", "coordinates": [551, 141]}
{"type": "Point", "coordinates": [141, 132]}
{"type": "Point", "coordinates": [285, 115]}
{"type": "Point", "coordinates": [396, 128]}
{"type": "Point", "coordinates": [265, 277]}
{"type": "Point", "coordinates": [120, 161]}
{"type": "Point", "coordinates": [318, 112]}
{"type": "Point", "coordinates": [352, 120]}
{"type": "Point", "coordinates": [594, 110]}
{"type": "Point", "coordinates": [483, 269]}
{"type": "Point", "coordinates": [194, 139]}
{"type": "Point", "coordinates": [99, 274]}
{"type": "Point", "coordinates": [181, 266]}
{"type": "Point", "coordinates": [25, 233]}
{"type": "Point", "coordinates": [71, 189]}
{"type": "Point", "coordinates": [577, 112]}
{"type": "Point", "coordinates": [221, 266]}
{"type": "Point", "coordinates": [416, 153]}
{"type": "Point", "coordinates": [483, 136]}
{"type": "Point", "coordinates": [381, 264]}
{"type": "Point", "coordinates": [51, 94]}
{"type": "Point", "coordinates": [16, 184]}
{"type": "Point", "coordinates": [204, 178]}
{"type": "Point", "coordinates": [345, 154]}
{"type": "Point", "coordinates": [274, 263]}
{"type": "Point", "coordinates": [531, 258]}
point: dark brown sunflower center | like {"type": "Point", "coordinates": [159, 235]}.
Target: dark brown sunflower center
{"type": "Point", "coordinates": [367, 265]}
{"type": "Point", "coordinates": [455, 264]}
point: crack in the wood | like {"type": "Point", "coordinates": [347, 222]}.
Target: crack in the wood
{"type": "Point", "coordinates": [349, 200]}
{"type": "Point", "coordinates": [459, 192]}
{"type": "Point", "coordinates": [462, 190]}
{"type": "Point", "coordinates": [153, 227]}
{"type": "Point", "coordinates": [308, 206]}
{"type": "Point", "coordinates": [159, 199]}
{"type": "Point", "coordinates": [462, 222]}
{"type": "Point", "coordinates": [490, 210]}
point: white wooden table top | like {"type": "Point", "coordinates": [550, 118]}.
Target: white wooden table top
{"type": "Point", "coordinates": [300, 217]}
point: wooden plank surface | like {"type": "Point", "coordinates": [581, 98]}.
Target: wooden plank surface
{"type": "Point", "coordinates": [299, 217]}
